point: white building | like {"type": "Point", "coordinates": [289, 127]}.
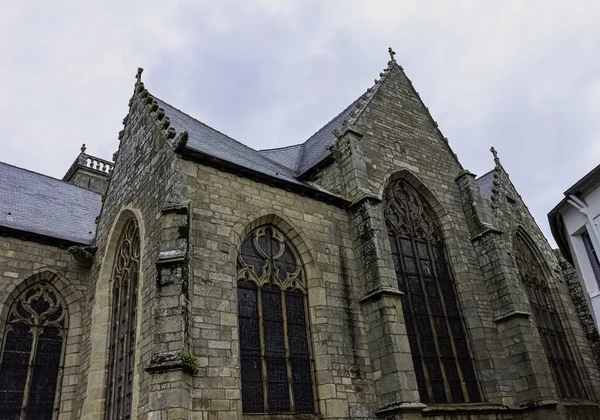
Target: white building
{"type": "Point", "coordinates": [574, 224]}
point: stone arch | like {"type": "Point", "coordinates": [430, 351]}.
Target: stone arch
{"type": "Point", "coordinates": [315, 290]}
{"type": "Point", "coordinates": [414, 181]}
{"type": "Point", "coordinates": [99, 334]}
{"type": "Point", "coordinates": [416, 229]}
{"type": "Point", "coordinates": [68, 292]}
{"type": "Point", "coordinates": [521, 233]}
{"type": "Point", "coordinates": [549, 298]}
{"type": "Point", "coordinates": [296, 237]}
{"type": "Point", "coordinates": [73, 299]}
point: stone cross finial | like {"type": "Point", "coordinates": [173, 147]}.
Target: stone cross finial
{"type": "Point", "coordinates": [495, 153]}
{"type": "Point", "coordinates": [83, 148]}
{"type": "Point", "coordinates": [392, 53]}
{"type": "Point", "coordinates": [138, 75]}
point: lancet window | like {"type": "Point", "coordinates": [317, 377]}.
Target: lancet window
{"type": "Point", "coordinates": [121, 350]}
{"type": "Point", "coordinates": [276, 364]}
{"type": "Point", "coordinates": [554, 340]}
{"type": "Point", "coordinates": [31, 363]}
{"type": "Point", "coordinates": [438, 343]}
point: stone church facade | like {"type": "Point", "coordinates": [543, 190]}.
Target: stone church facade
{"type": "Point", "coordinates": [362, 274]}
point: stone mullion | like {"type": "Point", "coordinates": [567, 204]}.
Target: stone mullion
{"type": "Point", "coordinates": [32, 355]}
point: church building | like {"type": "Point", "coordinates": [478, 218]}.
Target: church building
{"type": "Point", "coordinates": [362, 274]}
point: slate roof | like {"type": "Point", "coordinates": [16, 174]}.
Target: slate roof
{"type": "Point", "coordinates": [316, 148]}
{"type": "Point", "coordinates": [287, 156]}
{"type": "Point", "coordinates": [36, 203]}
{"type": "Point", "coordinates": [286, 163]}
{"type": "Point", "coordinates": [209, 141]}
{"type": "Point", "coordinates": [486, 183]}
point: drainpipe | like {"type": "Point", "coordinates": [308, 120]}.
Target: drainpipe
{"type": "Point", "coordinates": [583, 208]}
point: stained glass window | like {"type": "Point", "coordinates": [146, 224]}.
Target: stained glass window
{"type": "Point", "coordinates": [438, 343]}
{"type": "Point", "coordinates": [32, 355]}
{"type": "Point", "coordinates": [121, 350]}
{"type": "Point", "coordinates": [562, 364]}
{"type": "Point", "coordinates": [276, 364]}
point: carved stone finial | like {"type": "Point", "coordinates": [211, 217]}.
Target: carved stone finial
{"type": "Point", "coordinates": [138, 75]}
{"type": "Point", "coordinates": [83, 148]}
{"type": "Point", "coordinates": [495, 153]}
{"type": "Point", "coordinates": [392, 54]}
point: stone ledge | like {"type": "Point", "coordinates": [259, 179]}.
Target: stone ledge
{"type": "Point", "coordinates": [171, 256]}
{"type": "Point", "coordinates": [376, 293]}
{"type": "Point", "coordinates": [536, 404]}
{"type": "Point", "coordinates": [466, 408]}
{"type": "Point", "coordinates": [181, 208]}
{"type": "Point", "coordinates": [463, 173]}
{"type": "Point", "coordinates": [399, 407]}
{"type": "Point", "coordinates": [512, 314]}
{"type": "Point", "coordinates": [488, 229]}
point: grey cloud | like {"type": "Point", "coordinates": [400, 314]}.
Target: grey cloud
{"type": "Point", "coordinates": [522, 76]}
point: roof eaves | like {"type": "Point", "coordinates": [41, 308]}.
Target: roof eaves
{"type": "Point", "coordinates": [592, 177]}
{"type": "Point", "coordinates": [298, 187]}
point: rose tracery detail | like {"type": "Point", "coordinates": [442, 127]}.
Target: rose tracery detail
{"type": "Point", "coordinates": [267, 258]}
{"type": "Point", "coordinates": [406, 215]}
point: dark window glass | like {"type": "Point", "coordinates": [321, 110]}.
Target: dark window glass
{"type": "Point", "coordinates": [441, 357]}
{"type": "Point", "coordinates": [592, 255]}
{"type": "Point", "coordinates": [554, 340]}
{"type": "Point", "coordinates": [31, 363]}
{"type": "Point", "coordinates": [276, 364]}
{"type": "Point", "coordinates": [121, 349]}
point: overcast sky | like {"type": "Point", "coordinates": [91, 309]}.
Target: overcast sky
{"type": "Point", "coordinates": [523, 76]}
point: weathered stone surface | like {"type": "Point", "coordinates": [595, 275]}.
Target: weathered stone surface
{"type": "Point", "coordinates": [193, 216]}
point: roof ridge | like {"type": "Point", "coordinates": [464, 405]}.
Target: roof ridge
{"type": "Point", "coordinates": [280, 148]}
{"type": "Point", "coordinates": [330, 121]}
{"type": "Point", "coordinates": [365, 99]}
{"type": "Point", "coordinates": [47, 176]}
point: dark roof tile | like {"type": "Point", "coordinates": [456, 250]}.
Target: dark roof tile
{"type": "Point", "coordinates": [36, 203]}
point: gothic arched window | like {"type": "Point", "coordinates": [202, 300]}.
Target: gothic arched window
{"type": "Point", "coordinates": [438, 343]}
{"type": "Point", "coordinates": [121, 347]}
{"type": "Point", "coordinates": [276, 363]}
{"type": "Point", "coordinates": [32, 354]}
{"type": "Point", "coordinates": [562, 365]}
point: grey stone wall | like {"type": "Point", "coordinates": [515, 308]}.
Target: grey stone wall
{"type": "Point", "coordinates": [23, 263]}
{"type": "Point", "coordinates": [143, 183]}
{"type": "Point", "coordinates": [193, 217]}
{"type": "Point", "coordinates": [225, 207]}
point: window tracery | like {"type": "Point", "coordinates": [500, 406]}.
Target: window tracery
{"type": "Point", "coordinates": [276, 364]}
{"type": "Point", "coordinates": [440, 352]}
{"type": "Point", "coordinates": [32, 355]}
{"type": "Point", "coordinates": [121, 351]}
{"type": "Point", "coordinates": [554, 340]}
